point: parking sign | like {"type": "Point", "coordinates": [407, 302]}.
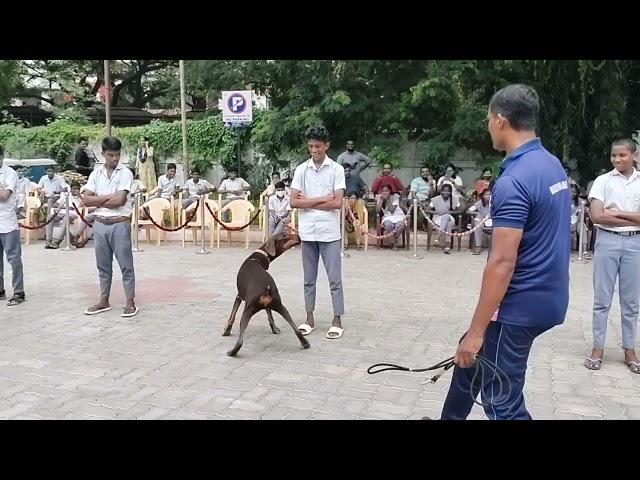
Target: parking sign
{"type": "Point", "coordinates": [237, 107]}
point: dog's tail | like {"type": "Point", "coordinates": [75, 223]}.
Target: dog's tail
{"type": "Point", "coordinates": [266, 298]}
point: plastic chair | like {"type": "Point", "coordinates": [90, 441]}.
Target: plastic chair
{"type": "Point", "coordinates": [195, 224]}
{"type": "Point", "coordinates": [32, 205]}
{"type": "Point", "coordinates": [363, 217]}
{"type": "Point", "coordinates": [157, 207]}
{"type": "Point", "coordinates": [241, 211]}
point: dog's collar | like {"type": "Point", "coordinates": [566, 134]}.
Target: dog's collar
{"type": "Point", "coordinates": [263, 253]}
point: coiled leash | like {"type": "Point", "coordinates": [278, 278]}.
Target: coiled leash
{"type": "Point", "coordinates": [482, 365]}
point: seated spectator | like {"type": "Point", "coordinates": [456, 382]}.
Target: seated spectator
{"type": "Point", "coordinates": [353, 221]}
{"type": "Point", "coordinates": [233, 187]}
{"type": "Point", "coordinates": [58, 227]}
{"type": "Point", "coordinates": [483, 209]}
{"type": "Point", "coordinates": [24, 187]}
{"type": "Point", "coordinates": [168, 185]}
{"type": "Point", "coordinates": [451, 178]}
{"type": "Point", "coordinates": [444, 207]}
{"type": "Point", "coordinates": [279, 210]}
{"type": "Point", "coordinates": [195, 187]}
{"type": "Point", "coordinates": [387, 178]}
{"type": "Point", "coordinates": [271, 188]}
{"type": "Point", "coordinates": [393, 216]}
{"type": "Point", "coordinates": [355, 184]}
{"type": "Point", "coordinates": [575, 220]}
{"type": "Point", "coordinates": [483, 182]}
{"type": "Point", "coordinates": [50, 186]}
{"type": "Point", "coordinates": [423, 187]}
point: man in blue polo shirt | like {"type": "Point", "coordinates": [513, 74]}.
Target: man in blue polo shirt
{"type": "Point", "coordinates": [525, 286]}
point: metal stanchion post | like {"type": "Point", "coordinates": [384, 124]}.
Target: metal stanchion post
{"type": "Point", "coordinates": [265, 221]}
{"type": "Point", "coordinates": [343, 236]}
{"type": "Point", "coordinates": [415, 230]}
{"type": "Point", "coordinates": [580, 231]}
{"type": "Point", "coordinates": [202, 251]}
{"type": "Point", "coordinates": [67, 222]}
{"type": "Point", "coordinates": [136, 217]}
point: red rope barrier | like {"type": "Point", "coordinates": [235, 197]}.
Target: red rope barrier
{"type": "Point", "coordinates": [231, 229]}
{"type": "Point", "coordinates": [36, 227]}
{"type": "Point", "coordinates": [82, 217]}
{"type": "Point", "coordinates": [193, 214]}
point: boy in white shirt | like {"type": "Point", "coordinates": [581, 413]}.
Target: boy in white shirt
{"type": "Point", "coordinates": [279, 210]}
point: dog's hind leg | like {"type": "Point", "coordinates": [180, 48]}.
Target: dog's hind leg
{"type": "Point", "coordinates": [272, 324]}
{"type": "Point", "coordinates": [232, 317]}
{"type": "Point", "coordinates": [282, 310]}
{"type": "Point", "coordinates": [247, 313]}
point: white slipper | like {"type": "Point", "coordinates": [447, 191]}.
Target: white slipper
{"type": "Point", "coordinates": [132, 314]}
{"type": "Point", "coordinates": [306, 329]}
{"type": "Point", "coordinates": [95, 312]}
{"type": "Point", "coordinates": [337, 330]}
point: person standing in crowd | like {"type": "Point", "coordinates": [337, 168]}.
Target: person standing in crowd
{"type": "Point", "coordinates": [10, 233]}
{"type": "Point", "coordinates": [317, 191]}
{"type": "Point", "coordinates": [108, 190]}
{"type": "Point", "coordinates": [357, 161]}
{"type": "Point", "coordinates": [615, 210]}
{"type": "Point", "coordinates": [526, 278]}
{"type": "Point", "coordinates": [145, 166]}
{"type": "Point", "coordinates": [83, 162]}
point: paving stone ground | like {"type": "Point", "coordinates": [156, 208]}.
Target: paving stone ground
{"type": "Point", "coordinates": [169, 362]}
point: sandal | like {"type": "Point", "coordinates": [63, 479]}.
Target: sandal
{"type": "Point", "coordinates": [634, 367]}
{"type": "Point", "coordinates": [306, 329]}
{"type": "Point", "coordinates": [593, 363]}
{"type": "Point", "coordinates": [17, 299]}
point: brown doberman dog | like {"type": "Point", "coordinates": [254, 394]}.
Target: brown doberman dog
{"type": "Point", "coordinates": [258, 289]}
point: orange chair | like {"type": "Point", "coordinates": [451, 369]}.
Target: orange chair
{"type": "Point", "coordinates": [157, 207]}
{"type": "Point", "coordinates": [32, 216]}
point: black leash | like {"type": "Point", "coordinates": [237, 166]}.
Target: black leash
{"type": "Point", "coordinates": [482, 366]}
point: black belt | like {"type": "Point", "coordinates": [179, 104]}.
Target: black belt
{"type": "Point", "coordinates": [623, 234]}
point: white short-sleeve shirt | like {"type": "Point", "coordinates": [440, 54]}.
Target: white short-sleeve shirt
{"type": "Point", "coordinates": [8, 219]}
{"type": "Point", "coordinates": [167, 186]}
{"type": "Point", "coordinates": [100, 184]}
{"type": "Point", "coordinates": [195, 188]}
{"type": "Point", "coordinates": [50, 185]}
{"type": "Point", "coordinates": [280, 207]}
{"type": "Point", "coordinates": [617, 192]}
{"type": "Point", "coordinates": [233, 185]}
{"type": "Point", "coordinates": [319, 225]}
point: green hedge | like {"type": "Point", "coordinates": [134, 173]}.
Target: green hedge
{"type": "Point", "coordinates": [208, 141]}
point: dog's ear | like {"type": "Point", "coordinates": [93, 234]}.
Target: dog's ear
{"type": "Point", "coordinates": [270, 247]}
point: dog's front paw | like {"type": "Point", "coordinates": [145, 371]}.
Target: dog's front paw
{"type": "Point", "coordinates": [232, 353]}
{"type": "Point", "coordinates": [306, 344]}
{"type": "Point", "coordinates": [275, 330]}
{"type": "Point", "coordinates": [226, 333]}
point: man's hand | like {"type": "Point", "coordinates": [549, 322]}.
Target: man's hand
{"type": "Point", "coordinates": [467, 350]}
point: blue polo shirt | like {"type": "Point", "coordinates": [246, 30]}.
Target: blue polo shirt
{"type": "Point", "coordinates": [532, 195]}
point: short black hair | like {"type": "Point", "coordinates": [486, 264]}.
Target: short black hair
{"type": "Point", "coordinates": [232, 170]}
{"type": "Point", "coordinates": [280, 185]}
{"type": "Point", "coordinates": [628, 142]}
{"type": "Point", "coordinates": [111, 144]}
{"type": "Point", "coordinates": [318, 133]}
{"type": "Point", "coordinates": [519, 104]}
{"type": "Point", "coordinates": [171, 166]}
{"type": "Point", "coordinates": [276, 173]}
{"type": "Point", "coordinates": [50, 167]}
{"type": "Point", "coordinates": [346, 165]}
{"type": "Point", "coordinates": [447, 186]}
{"type": "Point", "coordinates": [82, 139]}
{"type": "Point", "coordinates": [146, 139]}
{"type": "Point", "coordinates": [75, 184]}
